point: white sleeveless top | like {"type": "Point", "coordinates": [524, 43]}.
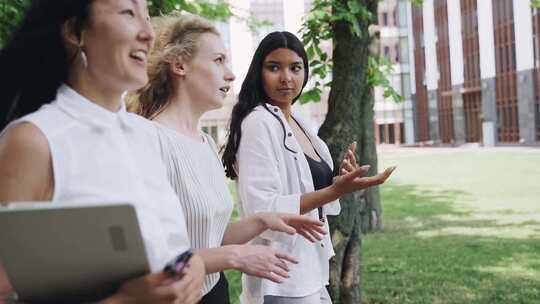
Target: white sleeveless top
{"type": "Point", "coordinates": [197, 175]}
{"type": "Point", "coordinates": [99, 156]}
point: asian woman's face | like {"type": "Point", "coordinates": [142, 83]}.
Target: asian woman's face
{"type": "Point", "coordinates": [283, 76]}
{"type": "Point", "coordinates": [116, 41]}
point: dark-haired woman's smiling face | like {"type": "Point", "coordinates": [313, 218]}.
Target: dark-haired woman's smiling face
{"type": "Point", "coordinates": [116, 41]}
{"type": "Point", "coordinates": [282, 76]}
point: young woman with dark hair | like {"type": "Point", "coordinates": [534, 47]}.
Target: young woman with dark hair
{"type": "Point", "coordinates": [281, 165]}
{"type": "Point", "coordinates": [67, 137]}
{"type": "Point", "coordinates": [189, 76]}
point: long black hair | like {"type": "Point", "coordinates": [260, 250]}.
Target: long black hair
{"type": "Point", "coordinates": [34, 63]}
{"type": "Point", "coordinates": [252, 92]}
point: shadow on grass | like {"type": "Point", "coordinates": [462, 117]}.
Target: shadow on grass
{"type": "Point", "coordinates": [434, 250]}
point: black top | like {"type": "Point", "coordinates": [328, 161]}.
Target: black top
{"type": "Point", "coordinates": [320, 172]}
{"type": "Point", "coordinates": [322, 176]}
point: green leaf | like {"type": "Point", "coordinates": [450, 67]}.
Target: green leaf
{"type": "Point", "coordinates": [311, 95]}
{"type": "Point", "coordinates": [314, 63]}
{"type": "Point", "coordinates": [354, 7]}
{"type": "Point", "coordinates": [310, 52]}
{"type": "Point", "coordinates": [355, 27]}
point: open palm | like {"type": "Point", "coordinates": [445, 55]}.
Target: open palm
{"type": "Point", "coordinates": [309, 228]}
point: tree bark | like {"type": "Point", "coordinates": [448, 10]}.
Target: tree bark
{"type": "Point", "coordinates": [350, 118]}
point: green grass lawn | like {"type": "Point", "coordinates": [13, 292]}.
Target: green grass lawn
{"type": "Point", "coordinates": [461, 226]}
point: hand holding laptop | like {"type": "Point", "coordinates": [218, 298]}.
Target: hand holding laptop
{"type": "Point", "coordinates": [162, 288]}
{"type": "Point", "coordinates": [85, 253]}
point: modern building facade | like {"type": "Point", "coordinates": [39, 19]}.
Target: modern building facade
{"type": "Point", "coordinates": [394, 121]}
{"type": "Point", "coordinates": [474, 73]}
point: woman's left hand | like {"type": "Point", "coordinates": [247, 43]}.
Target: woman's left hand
{"type": "Point", "coordinates": [348, 164]}
{"type": "Point", "coordinates": [307, 227]}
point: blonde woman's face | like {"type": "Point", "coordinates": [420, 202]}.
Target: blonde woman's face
{"type": "Point", "coordinates": [208, 77]}
{"type": "Point", "coordinates": [116, 42]}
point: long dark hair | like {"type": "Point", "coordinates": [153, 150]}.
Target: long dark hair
{"type": "Point", "coordinates": [35, 62]}
{"type": "Point", "coordinates": [252, 92]}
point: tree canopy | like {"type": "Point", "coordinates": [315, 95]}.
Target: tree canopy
{"type": "Point", "coordinates": [12, 12]}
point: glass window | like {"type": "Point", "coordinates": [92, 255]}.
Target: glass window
{"type": "Point", "coordinates": [404, 50]}
{"type": "Point", "coordinates": [382, 136]}
{"type": "Point", "coordinates": [406, 86]}
{"type": "Point", "coordinates": [387, 53]}
{"type": "Point", "coordinates": [402, 14]}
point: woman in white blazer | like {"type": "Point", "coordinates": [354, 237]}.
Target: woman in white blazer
{"type": "Point", "coordinates": [281, 165]}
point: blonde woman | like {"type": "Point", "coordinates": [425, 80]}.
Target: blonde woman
{"type": "Point", "coordinates": [189, 76]}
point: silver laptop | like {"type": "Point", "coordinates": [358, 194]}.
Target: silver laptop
{"type": "Point", "coordinates": [64, 254]}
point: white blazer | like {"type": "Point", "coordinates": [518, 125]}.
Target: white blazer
{"type": "Point", "coordinates": [272, 175]}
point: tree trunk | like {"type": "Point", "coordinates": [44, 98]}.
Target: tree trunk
{"type": "Point", "coordinates": [350, 118]}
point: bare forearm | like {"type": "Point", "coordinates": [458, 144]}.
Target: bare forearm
{"type": "Point", "coordinates": [219, 259]}
{"type": "Point", "coordinates": [244, 230]}
{"type": "Point", "coordinates": [313, 200]}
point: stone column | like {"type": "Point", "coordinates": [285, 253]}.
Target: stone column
{"type": "Point", "coordinates": [489, 113]}
{"type": "Point", "coordinates": [458, 114]}
{"type": "Point", "coordinates": [526, 107]}
{"type": "Point", "coordinates": [433, 117]}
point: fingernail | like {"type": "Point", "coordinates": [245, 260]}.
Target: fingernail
{"type": "Point", "coordinates": [365, 167]}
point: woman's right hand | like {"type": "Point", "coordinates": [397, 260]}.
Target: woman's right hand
{"type": "Point", "coordinates": [355, 180]}
{"type": "Point", "coordinates": [263, 262]}
{"type": "Point", "coordinates": [161, 288]}
{"type": "Point", "coordinates": [151, 288]}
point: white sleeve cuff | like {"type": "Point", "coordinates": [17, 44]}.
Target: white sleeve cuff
{"type": "Point", "coordinates": [284, 204]}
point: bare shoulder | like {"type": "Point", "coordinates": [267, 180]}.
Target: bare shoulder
{"type": "Point", "coordinates": [23, 138]}
{"type": "Point", "coordinates": [25, 164]}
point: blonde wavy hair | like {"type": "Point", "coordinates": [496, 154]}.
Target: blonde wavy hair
{"type": "Point", "coordinates": [176, 37]}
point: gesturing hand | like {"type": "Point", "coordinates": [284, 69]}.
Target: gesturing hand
{"type": "Point", "coordinates": [309, 228]}
{"type": "Point", "coordinates": [355, 180]}
{"type": "Point", "coordinates": [263, 262]}
{"type": "Point", "coordinates": [348, 164]}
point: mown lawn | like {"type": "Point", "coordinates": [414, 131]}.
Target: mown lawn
{"type": "Point", "coordinates": [461, 226]}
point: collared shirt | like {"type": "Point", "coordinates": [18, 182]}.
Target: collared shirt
{"type": "Point", "coordinates": [272, 175]}
{"type": "Point", "coordinates": [99, 156]}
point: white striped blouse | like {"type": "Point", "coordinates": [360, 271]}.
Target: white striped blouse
{"type": "Point", "coordinates": [197, 176]}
